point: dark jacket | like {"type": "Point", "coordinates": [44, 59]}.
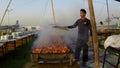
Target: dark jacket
{"type": "Point", "coordinates": [84, 29]}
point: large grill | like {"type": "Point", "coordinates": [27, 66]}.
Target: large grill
{"type": "Point", "coordinates": [53, 51]}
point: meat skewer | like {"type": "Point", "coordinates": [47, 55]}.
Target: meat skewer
{"type": "Point", "coordinates": [56, 45]}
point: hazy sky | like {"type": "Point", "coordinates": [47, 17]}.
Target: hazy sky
{"type": "Point", "coordinates": [38, 12]}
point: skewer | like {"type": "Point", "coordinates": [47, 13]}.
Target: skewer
{"type": "Point", "coordinates": [60, 27]}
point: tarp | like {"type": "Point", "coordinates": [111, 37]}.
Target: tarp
{"type": "Point", "coordinates": [113, 41]}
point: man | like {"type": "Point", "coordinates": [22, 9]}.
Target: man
{"type": "Point", "coordinates": [101, 27]}
{"type": "Point", "coordinates": [84, 35]}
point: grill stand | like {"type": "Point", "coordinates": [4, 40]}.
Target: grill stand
{"type": "Point", "coordinates": [35, 58]}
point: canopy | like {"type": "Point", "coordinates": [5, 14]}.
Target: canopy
{"type": "Point", "coordinates": [117, 0]}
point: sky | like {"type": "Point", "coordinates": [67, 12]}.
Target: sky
{"type": "Point", "coordinates": [38, 12]}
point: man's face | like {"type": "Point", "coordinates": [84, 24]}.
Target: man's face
{"type": "Point", "coordinates": [82, 14]}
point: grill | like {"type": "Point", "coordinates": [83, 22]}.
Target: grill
{"type": "Point", "coordinates": [51, 52]}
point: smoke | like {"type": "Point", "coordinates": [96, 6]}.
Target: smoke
{"type": "Point", "coordinates": [47, 32]}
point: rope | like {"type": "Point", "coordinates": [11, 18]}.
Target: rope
{"type": "Point", "coordinates": [0, 2]}
{"type": "Point", "coordinates": [101, 11]}
{"type": "Point", "coordinates": [44, 12]}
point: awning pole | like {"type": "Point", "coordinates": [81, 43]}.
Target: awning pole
{"type": "Point", "coordinates": [53, 12]}
{"type": "Point", "coordinates": [108, 14]}
{"type": "Point", "coordinates": [94, 33]}
{"type": "Point", "coordinates": [5, 12]}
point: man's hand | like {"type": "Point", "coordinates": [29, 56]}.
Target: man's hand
{"type": "Point", "coordinates": [90, 39]}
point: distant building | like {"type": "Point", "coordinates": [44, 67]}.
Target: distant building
{"type": "Point", "coordinates": [17, 23]}
{"type": "Point", "coordinates": [32, 27]}
{"type": "Point", "coordinates": [10, 27]}
{"type": "Point", "coordinates": [118, 24]}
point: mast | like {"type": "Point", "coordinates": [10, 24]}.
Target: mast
{"type": "Point", "coordinates": [94, 33]}
{"type": "Point", "coordinates": [5, 12]}
{"type": "Point", "coordinates": [53, 13]}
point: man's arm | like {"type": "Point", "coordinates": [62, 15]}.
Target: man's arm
{"type": "Point", "coordinates": [90, 28]}
{"type": "Point", "coordinates": [74, 25]}
{"type": "Point", "coordinates": [90, 38]}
